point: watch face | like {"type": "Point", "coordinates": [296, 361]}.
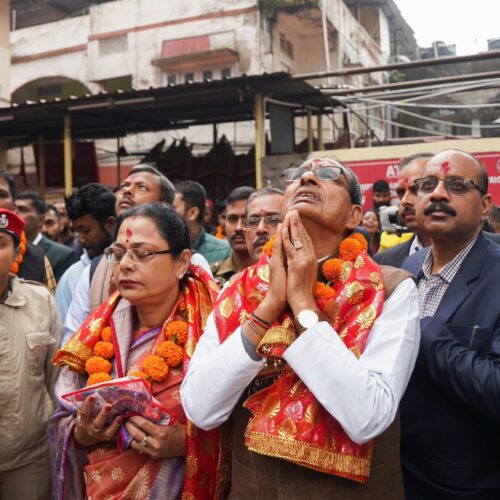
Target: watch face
{"type": "Point", "coordinates": [307, 318]}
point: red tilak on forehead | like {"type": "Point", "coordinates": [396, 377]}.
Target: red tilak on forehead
{"type": "Point", "coordinates": [128, 233]}
{"type": "Point", "coordinates": [445, 167]}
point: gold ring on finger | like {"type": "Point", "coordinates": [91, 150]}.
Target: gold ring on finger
{"type": "Point", "coordinates": [143, 444]}
{"type": "Point", "coordinates": [97, 430]}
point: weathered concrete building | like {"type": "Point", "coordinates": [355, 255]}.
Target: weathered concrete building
{"type": "Point", "coordinates": [137, 44]}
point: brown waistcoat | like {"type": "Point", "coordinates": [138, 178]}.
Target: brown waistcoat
{"type": "Point", "coordinates": [256, 476]}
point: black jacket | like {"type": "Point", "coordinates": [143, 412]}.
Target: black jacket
{"type": "Point", "coordinates": [60, 256]}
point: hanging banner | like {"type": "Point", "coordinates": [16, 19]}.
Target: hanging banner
{"type": "Point", "coordinates": [369, 171]}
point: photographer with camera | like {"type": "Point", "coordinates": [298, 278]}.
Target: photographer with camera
{"type": "Point", "coordinates": [410, 168]}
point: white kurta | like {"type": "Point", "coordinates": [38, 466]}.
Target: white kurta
{"type": "Point", "coordinates": [363, 394]}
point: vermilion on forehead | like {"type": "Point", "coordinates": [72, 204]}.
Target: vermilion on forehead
{"type": "Point", "coordinates": [318, 162]}
{"type": "Point", "coordinates": [445, 167]}
{"type": "Point", "coordinates": [404, 182]}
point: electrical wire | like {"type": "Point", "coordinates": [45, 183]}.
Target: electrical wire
{"type": "Point", "coordinates": [443, 122]}
{"type": "Point", "coordinates": [410, 127]}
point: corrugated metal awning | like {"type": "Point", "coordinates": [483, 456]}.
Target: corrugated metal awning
{"type": "Point", "coordinates": [172, 107]}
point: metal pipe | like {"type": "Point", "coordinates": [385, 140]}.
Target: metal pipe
{"type": "Point", "coordinates": [345, 118]}
{"type": "Point", "coordinates": [326, 46]}
{"type": "Point", "coordinates": [416, 83]}
{"type": "Point", "coordinates": [320, 132]}
{"type": "Point", "coordinates": [390, 67]}
{"type": "Point", "coordinates": [310, 138]}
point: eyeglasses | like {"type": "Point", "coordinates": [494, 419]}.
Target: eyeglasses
{"type": "Point", "coordinates": [269, 220]}
{"type": "Point", "coordinates": [454, 185]}
{"type": "Point", "coordinates": [137, 255]}
{"type": "Point", "coordinates": [323, 173]}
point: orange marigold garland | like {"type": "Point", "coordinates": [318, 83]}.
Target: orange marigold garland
{"type": "Point", "coordinates": [96, 364]}
{"type": "Point", "coordinates": [220, 233]}
{"type": "Point", "coordinates": [104, 349]}
{"type": "Point", "coordinates": [268, 247]}
{"type": "Point", "coordinates": [155, 367]}
{"type": "Point", "coordinates": [106, 334]}
{"type": "Point", "coordinates": [14, 268]}
{"type": "Point", "coordinates": [97, 378]}
{"type": "Point", "coordinates": [170, 352]}
{"type": "Point", "coordinates": [331, 269]}
{"type": "Point", "coordinates": [349, 249]}
{"type": "Point", "coordinates": [177, 332]}
{"type": "Point", "coordinates": [359, 237]}
{"type": "Point", "coordinates": [323, 291]}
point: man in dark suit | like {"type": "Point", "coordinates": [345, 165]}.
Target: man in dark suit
{"type": "Point", "coordinates": [410, 168]}
{"type": "Point", "coordinates": [32, 209]}
{"type": "Point", "coordinates": [451, 410]}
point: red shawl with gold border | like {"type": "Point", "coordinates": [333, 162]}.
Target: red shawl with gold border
{"type": "Point", "coordinates": [287, 420]}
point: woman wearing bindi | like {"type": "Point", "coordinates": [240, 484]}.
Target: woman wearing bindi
{"type": "Point", "coordinates": [148, 329]}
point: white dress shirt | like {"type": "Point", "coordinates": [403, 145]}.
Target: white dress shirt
{"type": "Point", "coordinates": [362, 394]}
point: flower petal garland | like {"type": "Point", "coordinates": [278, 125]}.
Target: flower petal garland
{"type": "Point", "coordinates": [104, 349]}
{"type": "Point", "coordinates": [14, 268]}
{"type": "Point", "coordinates": [349, 249]}
{"type": "Point", "coordinates": [322, 291]}
{"type": "Point", "coordinates": [171, 353]}
{"type": "Point", "coordinates": [97, 378]}
{"type": "Point", "coordinates": [177, 331]}
{"type": "Point", "coordinates": [331, 269]}
{"type": "Point", "coordinates": [359, 237]}
{"type": "Point", "coordinates": [106, 334]}
{"type": "Point", "coordinates": [155, 368]}
{"type": "Point", "coordinates": [268, 247]}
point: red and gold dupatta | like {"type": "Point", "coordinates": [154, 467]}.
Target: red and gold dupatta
{"type": "Point", "coordinates": [287, 420]}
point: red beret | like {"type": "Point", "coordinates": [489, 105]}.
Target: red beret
{"type": "Point", "coordinates": [11, 223]}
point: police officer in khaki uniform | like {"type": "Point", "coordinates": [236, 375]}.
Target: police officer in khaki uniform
{"type": "Point", "coordinates": [29, 336]}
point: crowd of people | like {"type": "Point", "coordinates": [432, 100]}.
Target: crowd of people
{"type": "Point", "coordinates": [296, 346]}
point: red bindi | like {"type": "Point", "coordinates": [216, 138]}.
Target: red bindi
{"type": "Point", "coordinates": [445, 167]}
{"type": "Point", "coordinates": [128, 233]}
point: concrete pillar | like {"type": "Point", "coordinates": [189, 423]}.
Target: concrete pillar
{"type": "Point", "coordinates": [320, 132]}
{"type": "Point", "coordinates": [4, 68]}
{"type": "Point", "coordinates": [68, 160]}
{"type": "Point", "coordinates": [310, 137]}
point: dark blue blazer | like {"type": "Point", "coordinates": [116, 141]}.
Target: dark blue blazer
{"type": "Point", "coordinates": [450, 413]}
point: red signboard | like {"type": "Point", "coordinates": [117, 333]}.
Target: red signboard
{"type": "Point", "coordinates": [372, 170]}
